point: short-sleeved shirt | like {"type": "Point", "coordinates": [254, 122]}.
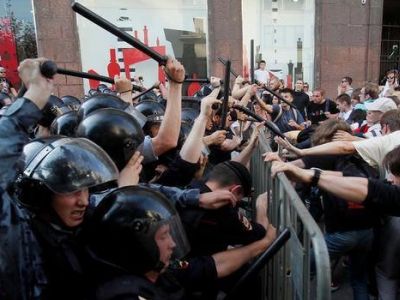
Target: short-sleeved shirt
{"type": "Point", "coordinates": [316, 112]}
{"type": "Point", "coordinates": [261, 75]}
{"type": "Point", "coordinates": [373, 150]}
{"type": "Point", "coordinates": [301, 101]}
{"type": "Point", "coordinates": [283, 121]}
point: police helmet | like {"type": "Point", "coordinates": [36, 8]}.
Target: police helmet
{"type": "Point", "coordinates": [53, 108]}
{"type": "Point", "coordinates": [149, 107]}
{"type": "Point", "coordinates": [72, 102]}
{"type": "Point", "coordinates": [63, 165]}
{"type": "Point", "coordinates": [116, 131]}
{"type": "Point", "coordinates": [188, 115]}
{"type": "Point", "coordinates": [100, 101]}
{"type": "Point", "coordinates": [65, 124]}
{"type": "Point", "coordinates": [125, 226]}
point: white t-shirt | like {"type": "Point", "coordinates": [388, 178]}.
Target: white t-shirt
{"type": "Point", "coordinates": [373, 150]}
{"type": "Point", "coordinates": [345, 115]}
{"type": "Point", "coordinates": [261, 75]}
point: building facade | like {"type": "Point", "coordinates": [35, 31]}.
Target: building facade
{"type": "Point", "coordinates": [319, 41]}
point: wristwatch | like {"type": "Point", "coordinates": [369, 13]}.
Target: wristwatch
{"type": "Point", "coordinates": [315, 178]}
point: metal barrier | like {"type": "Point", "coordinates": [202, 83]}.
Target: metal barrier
{"type": "Point", "coordinates": [288, 275]}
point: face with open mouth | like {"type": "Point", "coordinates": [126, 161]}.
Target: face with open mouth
{"type": "Point", "coordinates": [71, 207]}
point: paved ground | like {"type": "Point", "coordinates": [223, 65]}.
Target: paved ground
{"type": "Point", "coordinates": [345, 292]}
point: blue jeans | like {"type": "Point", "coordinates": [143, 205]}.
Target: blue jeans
{"type": "Point", "coordinates": [356, 244]}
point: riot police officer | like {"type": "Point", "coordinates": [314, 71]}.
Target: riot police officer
{"type": "Point", "coordinates": [135, 233]}
{"type": "Point", "coordinates": [54, 184]}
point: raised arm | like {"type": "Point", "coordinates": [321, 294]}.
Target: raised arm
{"type": "Point", "coordinates": [193, 145]}
{"type": "Point", "coordinates": [167, 137]}
{"type": "Point", "coordinates": [245, 156]}
{"type": "Point", "coordinates": [22, 116]}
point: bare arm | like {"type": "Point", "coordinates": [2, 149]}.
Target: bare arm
{"type": "Point", "coordinates": [124, 87]}
{"type": "Point", "coordinates": [245, 156]}
{"type": "Point", "coordinates": [231, 260]}
{"type": "Point", "coordinates": [13, 92]}
{"type": "Point", "coordinates": [348, 188]}
{"type": "Point", "coordinates": [264, 106]}
{"type": "Point", "coordinates": [193, 145]}
{"type": "Point", "coordinates": [167, 137]}
{"type": "Point", "coordinates": [332, 148]}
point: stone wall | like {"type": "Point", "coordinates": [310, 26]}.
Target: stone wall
{"type": "Point", "coordinates": [57, 39]}
{"type": "Point", "coordinates": [225, 35]}
{"type": "Point", "coordinates": [347, 42]}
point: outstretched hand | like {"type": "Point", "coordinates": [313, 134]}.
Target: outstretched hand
{"type": "Point", "coordinates": [288, 146]}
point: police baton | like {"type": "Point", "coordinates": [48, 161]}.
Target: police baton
{"type": "Point", "coordinates": [154, 86]}
{"type": "Point", "coordinates": [225, 107]}
{"type": "Point", "coordinates": [261, 261]}
{"type": "Point", "coordinates": [103, 23]}
{"type": "Point", "coordinates": [95, 77]}
{"type": "Point", "coordinates": [270, 125]}
{"type": "Point", "coordinates": [223, 61]}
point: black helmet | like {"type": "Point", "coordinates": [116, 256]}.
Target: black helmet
{"type": "Point", "coordinates": [189, 115]}
{"type": "Point", "coordinates": [92, 92]}
{"type": "Point", "coordinates": [53, 108]}
{"type": "Point", "coordinates": [191, 102]}
{"type": "Point", "coordinates": [100, 101]}
{"type": "Point", "coordinates": [101, 87]}
{"type": "Point", "coordinates": [149, 107]}
{"type": "Point", "coordinates": [65, 124]}
{"type": "Point", "coordinates": [116, 131]}
{"type": "Point", "coordinates": [125, 226]}
{"type": "Point", "coordinates": [72, 102]}
{"type": "Point", "coordinates": [63, 165]}
{"type": "Point", "coordinates": [150, 96]}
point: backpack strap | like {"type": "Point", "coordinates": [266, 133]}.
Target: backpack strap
{"type": "Point", "coordinates": [327, 101]}
{"type": "Point", "coordinates": [295, 114]}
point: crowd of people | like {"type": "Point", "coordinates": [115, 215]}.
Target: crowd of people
{"type": "Point", "coordinates": [116, 196]}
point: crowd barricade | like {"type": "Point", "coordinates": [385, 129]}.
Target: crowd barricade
{"type": "Point", "coordinates": [291, 273]}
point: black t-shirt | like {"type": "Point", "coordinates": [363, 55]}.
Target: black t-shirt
{"type": "Point", "coordinates": [341, 215]}
{"type": "Point", "coordinates": [215, 230]}
{"type": "Point", "coordinates": [383, 197]}
{"type": "Point", "coordinates": [316, 112]}
{"type": "Point", "coordinates": [301, 101]}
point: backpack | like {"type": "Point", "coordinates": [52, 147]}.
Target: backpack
{"type": "Point", "coordinates": [281, 112]}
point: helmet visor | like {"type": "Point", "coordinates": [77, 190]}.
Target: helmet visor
{"type": "Point", "coordinates": [69, 165]}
